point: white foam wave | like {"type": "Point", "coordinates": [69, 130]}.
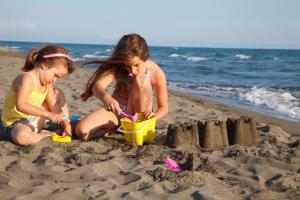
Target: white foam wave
{"type": "Point", "coordinates": [275, 58]}
{"type": "Point", "coordinates": [188, 58]}
{"type": "Point", "coordinates": [175, 55]}
{"type": "Point", "coordinates": [78, 59]}
{"type": "Point", "coordinates": [97, 52]}
{"type": "Point", "coordinates": [242, 57]}
{"type": "Point", "coordinates": [278, 100]}
{"type": "Point", "coordinates": [88, 56]}
{"type": "Point", "coordinates": [206, 87]}
{"type": "Point", "coordinates": [108, 50]}
{"type": "Point", "coordinates": [196, 59]}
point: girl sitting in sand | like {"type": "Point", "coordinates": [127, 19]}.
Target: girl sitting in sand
{"type": "Point", "coordinates": [32, 98]}
{"type": "Point", "coordinates": [135, 76]}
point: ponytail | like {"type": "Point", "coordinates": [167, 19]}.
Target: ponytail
{"type": "Point", "coordinates": [29, 63]}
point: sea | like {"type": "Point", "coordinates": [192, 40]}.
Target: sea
{"type": "Point", "coordinates": [264, 80]}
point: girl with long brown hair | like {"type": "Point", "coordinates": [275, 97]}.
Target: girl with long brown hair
{"type": "Point", "coordinates": [136, 77]}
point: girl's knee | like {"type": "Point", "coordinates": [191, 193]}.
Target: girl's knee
{"type": "Point", "coordinates": [21, 137]}
{"type": "Point", "coordinates": [82, 131]}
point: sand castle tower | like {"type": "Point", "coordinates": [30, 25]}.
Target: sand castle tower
{"type": "Point", "coordinates": [242, 131]}
{"type": "Point", "coordinates": [182, 134]}
{"type": "Point", "coordinates": [213, 134]}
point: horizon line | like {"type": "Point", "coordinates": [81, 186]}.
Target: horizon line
{"type": "Point", "coordinates": [173, 46]}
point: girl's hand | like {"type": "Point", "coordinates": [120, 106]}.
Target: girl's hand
{"type": "Point", "coordinates": [148, 114]}
{"type": "Point", "coordinates": [55, 118]}
{"type": "Point", "coordinates": [67, 128]}
{"type": "Point", "coordinates": [110, 104]}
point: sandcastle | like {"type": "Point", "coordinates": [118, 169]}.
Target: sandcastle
{"type": "Point", "coordinates": [242, 131]}
{"type": "Point", "coordinates": [213, 134]}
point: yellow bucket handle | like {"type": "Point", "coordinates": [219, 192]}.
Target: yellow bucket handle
{"type": "Point", "coordinates": [136, 131]}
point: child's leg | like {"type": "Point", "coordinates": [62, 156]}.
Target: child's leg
{"type": "Point", "coordinates": [140, 95]}
{"type": "Point", "coordinates": [23, 134]}
{"type": "Point", "coordinates": [96, 123]}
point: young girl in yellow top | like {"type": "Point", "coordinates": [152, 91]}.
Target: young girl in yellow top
{"type": "Point", "coordinates": [32, 98]}
{"type": "Point", "coordinates": [136, 78]}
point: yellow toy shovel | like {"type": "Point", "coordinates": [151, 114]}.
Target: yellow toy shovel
{"type": "Point", "coordinates": [63, 139]}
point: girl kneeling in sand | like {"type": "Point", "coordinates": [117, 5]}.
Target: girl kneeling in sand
{"type": "Point", "coordinates": [135, 79]}
{"type": "Point", "coordinates": [32, 98]}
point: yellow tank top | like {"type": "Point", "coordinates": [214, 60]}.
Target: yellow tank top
{"type": "Point", "coordinates": [10, 113]}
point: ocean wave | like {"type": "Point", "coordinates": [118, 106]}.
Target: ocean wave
{"type": "Point", "coordinates": [88, 56]}
{"type": "Point", "coordinates": [242, 57]}
{"type": "Point", "coordinates": [283, 102]}
{"type": "Point", "coordinates": [98, 52]}
{"type": "Point", "coordinates": [279, 100]}
{"type": "Point", "coordinates": [196, 58]}
{"type": "Point", "coordinates": [78, 59]}
{"type": "Point", "coordinates": [175, 55]}
{"type": "Point", "coordinates": [188, 58]}
{"type": "Point", "coordinates": [206, 87]}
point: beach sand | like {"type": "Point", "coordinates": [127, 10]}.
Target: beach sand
{"type": "Point", "coordinates": [109, 168]}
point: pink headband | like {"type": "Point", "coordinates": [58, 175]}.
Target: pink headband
{"type": "Point", "coordinates": [57, 55]}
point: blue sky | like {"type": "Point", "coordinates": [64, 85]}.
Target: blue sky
{"type": "Point", "coordinates": [196, 23]}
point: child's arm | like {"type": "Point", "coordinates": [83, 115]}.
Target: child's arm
{"type": "Point", "coordinates": [22, 86]}
{"type": "Point", "coordinates": [99, 91]}
{"type": "Point", "coordinates": [161, 95]}
{"type": "Point", "coordinates": [55, 105]}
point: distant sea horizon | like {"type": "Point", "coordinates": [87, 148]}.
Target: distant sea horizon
{"type": "Point", "coordinates": [260, 79]}
{"type": "Point", "coordinates": [156, 45]}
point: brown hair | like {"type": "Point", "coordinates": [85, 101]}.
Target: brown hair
{"type": "Point", "coordinates": [35, 58]}
{"type": "Point", "coordinates": [129, 46]}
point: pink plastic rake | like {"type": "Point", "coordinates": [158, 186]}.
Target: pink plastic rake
{"type": "Point", "coordinates": [172, 165]}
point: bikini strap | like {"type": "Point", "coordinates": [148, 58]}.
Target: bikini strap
{"type": "Point", "coordinates": [148, 74]}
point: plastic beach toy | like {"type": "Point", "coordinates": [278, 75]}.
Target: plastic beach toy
{"type": "Point", "coordinates": [139, 131]}
{"type": "Point", "coordinates": [58, 138]}
{"type": "Point", "coordinates": [172, 165]}
{"type": "Point", "coordinates": [133, 118]}
{"type": "Point", "coordinates": [72, 118]}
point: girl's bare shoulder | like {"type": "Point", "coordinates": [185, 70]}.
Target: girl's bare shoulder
{"type": "Point", "coordinates": [157, 74]}
{"type": "Point", "coordinates": [21, 79]}
{"type": "Point", "coordinates": [154, 68]}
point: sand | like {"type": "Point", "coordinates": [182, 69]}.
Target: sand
{"type": "Point", "coordinates": [109, 168]}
